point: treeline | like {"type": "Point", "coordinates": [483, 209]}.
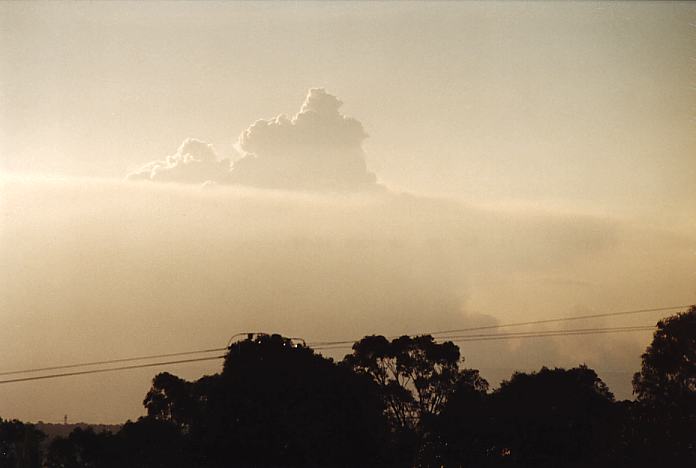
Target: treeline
{"type": "Point", "coordinates": [53, 430]}
{"type": "Point", "coordinates": [392, 403]}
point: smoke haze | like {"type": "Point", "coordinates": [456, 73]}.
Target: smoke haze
{"type": "Point", "coordinates": [97, 269]}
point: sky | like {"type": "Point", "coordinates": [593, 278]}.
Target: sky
{"type": "Point", "coordinates": [175, 173]}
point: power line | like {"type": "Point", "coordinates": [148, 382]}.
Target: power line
{"type": "Point", "coordinates": [329, 345]}
{"type": "Point", "coordinates": [559, 333]}
{"type": "Point", "coordinates": [205, 351]}
{"type": "Point", "coordinates": [111, 369]}
{"type": "Point", "coordinates": [535, 332]}
{"type": "Point", "coordinates": [111, 361]}
{"type": "Point", "coordinates": [508, 336]}
{"type": "Point", "coordinates": [462, 338]}
{"type": "Point", "coordinates": [563, 319]}
{"type": "Point", "coordinates": [519, 324]}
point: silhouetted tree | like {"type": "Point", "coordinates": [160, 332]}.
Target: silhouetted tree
{"type": "Point", "coordinates": [20, 445]}
{"type": "Point", "coordinates": [398, 403]}
{"type": "Point", "coordinates": [554, 417]}
{"type": "Point", "coordinates": [174, 400]}
{"type": "Point", "coordinates": [416, 377]}
{"type": "Point", "coordinates": [464, 432]}
{"type": "Point", "coordinates": [150, 443]}
{"type": "Point", "coordinates": [83, 448]}
{"type": "Point", "coordinates": [664, 417]}
{"type": "Point", "coordinates": [146, 443]}
{"type": "Point", "coordinates": [668, 371]}
{"type": "Point", "coordinates": [62, 453]}
{"type": "Point", "coordinates": [276, 403]}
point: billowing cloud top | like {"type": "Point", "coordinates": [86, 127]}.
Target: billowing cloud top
{"type": "Point", "coordinates": [318, 149]}
{"type": "Point", "coordinates": [194, 162]}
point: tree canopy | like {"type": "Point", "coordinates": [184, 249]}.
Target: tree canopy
{"type": "Point", "coordinates": [665, 388]}
{"type": "Point", "coordinates": [403, 402]}
{"type": "Point", "coordinates": [276, 403]}
{"type": "Point", "coordinates": [416, 375]}
{"type": "Point", "coordinates": [668, 370]}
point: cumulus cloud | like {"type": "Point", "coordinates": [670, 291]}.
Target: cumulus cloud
{"type": "Point", "coordinates": [194, 162]}
{"type": "Point", "coordinates": [319, 149]}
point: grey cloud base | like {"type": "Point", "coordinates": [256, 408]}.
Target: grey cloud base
{"type": "Point", "coordinates": [319, 149]}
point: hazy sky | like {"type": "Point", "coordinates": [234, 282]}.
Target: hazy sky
{"type": "Point", "coordinates": [437, 165]}
{"type": "Point", "coordinates": [583, 102]}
